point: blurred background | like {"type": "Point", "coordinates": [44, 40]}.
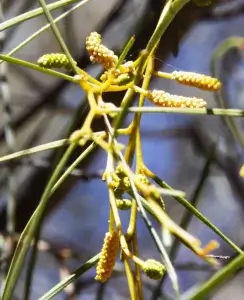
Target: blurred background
{"type": "Point", "coordinates": [176, 147]}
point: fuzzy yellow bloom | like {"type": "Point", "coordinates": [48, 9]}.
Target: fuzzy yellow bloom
{"type": "Point", "coordinates": [100, 53]}
{"type": "Point", "coordinates": [197, 80]}
{"type": "Point", "coordinates": [108, 257]}
{"type": "Point", "coordinates": [164, 99]}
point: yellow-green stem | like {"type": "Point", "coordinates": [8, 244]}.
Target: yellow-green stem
{"type": "Point", "coordinates": [130, 279]}
{"type": "Point", "coordinates": [137, 267]}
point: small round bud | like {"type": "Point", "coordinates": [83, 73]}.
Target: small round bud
{"type": "Point", "coordinates": [123, 204]}
{"type": "Point", "coordinates": [143, 179]}
{"type": "Point", "coordinates": [120, 171]}
{"type": "Point", "coordinates": [124, 79]}
{"type": "Point", "coordinates": [115, 181]}
{"type": "Point", "coordinates": [126, 183]}
{"type": "Point", "coordinates": [153, 269]}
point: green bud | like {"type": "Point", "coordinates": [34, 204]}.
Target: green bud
{"type": "Point", "coordinates": [143, 178]}
{"type": "Point", "coordinates": [54, 60]}
{"type": "Point", "coordinates": [154, 269]}
{"type": "Point", "coordinates": [123, 204]}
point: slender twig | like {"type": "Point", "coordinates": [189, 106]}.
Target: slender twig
{"type": "Point", "coordinates": [58, 35]}
{"type": "Point", "coordinates": [11, 145]}
{"type": "Point", "coordinates": [191, 111]}
{"type": "Point", "coordinates": [44, 28]}
{"type": "Point", "coordinates": [45, 164]}
{"type": "Point", "coordinates": [34, 13]}
{"type": "Point", "coordinates": [222, 49]}
{"type": "Point", "coordinates": [30, 230]}
{"type": "Point", "coordinates": [76, 274]}
{"type": "Point", "coordinates": [36, 67]}
{"type": "Point", "coordinates": [55, 186]}
{"type": "Point", "coordinates": [199, 215]}
{"type": "Point", "coordinates": [36, 149]}
{"type": "Point", "coordinates": [185, 221]}
{"type": "Point", "coordinates": [148, 223]}
{"type": "Point", "coordinates": [217, 279]}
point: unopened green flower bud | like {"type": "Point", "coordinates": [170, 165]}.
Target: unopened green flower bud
{"type": "Point", "coordinates": [126, 183]}
{"type": "Point", "coordinates": [123, 204]}
{"type": "Point", "coordinates": [153, 269]}
{"type": "Point", "coordinates": [143, 178]}
{"type": "Point", "coordinates": [54, 60]}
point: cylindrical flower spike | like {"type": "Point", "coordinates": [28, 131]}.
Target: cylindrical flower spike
{"type": "Point", "coordinates": [100, 53]}
{"type": "Point", "coordinates": [153, 269]}
{"type": "Point", "coordinates": [107, 257]}
{"type": "Point", "coordinates": [164, 99]}
{"type": "Point", "coordinates": [54, 60]}
{"type": "Point", "coordinates": [200, 81]}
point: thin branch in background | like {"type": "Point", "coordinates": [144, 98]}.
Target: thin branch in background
{"type": "Point", "coordinates": [45, 164]}
{"type": "Point", "coordinates": [25, 7]}
{"type": "Point", "coordinates": [186, 219]}
{"type": "Point", "coordinates": [11, 146]}
{"type": "Point", "coordinates": [57, 34]}
{"type": "Point", "coordinates": [228, 164]}
{"type": "Point", "coordinates": [101, 291]}
{"type": "Point", "coordinates": [219, 13]}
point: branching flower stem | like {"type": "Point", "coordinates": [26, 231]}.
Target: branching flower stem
{"type": "Point", "coordinates": [151, 229]}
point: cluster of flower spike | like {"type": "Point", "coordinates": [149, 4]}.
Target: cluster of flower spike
{"type": "Point", "coordinates": [164, 99]}
{"type": "Point", "coordinates": [152, 268]}
{"type": "Point", "coordinates": [54, 60]}
{"type": "Point", "coordinates": [197, 80]}
{"type": "Point", "coordinates": [107, 257]}
{"type": "Point", "coordinates": [100, 53]}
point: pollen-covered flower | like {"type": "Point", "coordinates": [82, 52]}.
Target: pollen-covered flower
{"type": "Point", "coordinates": [107, 257]}
{"type": "Point", "coordinates": [164, 99]}
{"type": "Point", "coordinates": [100, 53]}
{"type": "Point", "coordinates": [54, 60]}
{"type": "Point", "coordinates": [200, 81]}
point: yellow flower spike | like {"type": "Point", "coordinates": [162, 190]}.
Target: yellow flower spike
{"type": "Point", "coordinates": [100, 53]}
{"type": "Point", "coordinates": [153, 269]}
{"type": "Point", "coordinates": [200, 81]}
{"type": "Point", "coordinates": [107, 257]}
{"type": "Point", "coordinates": [54, 60]}
{"type": "Point", "coordinates": [164, 99]}
{"type": "Point", "coordinates": [123, 204]}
